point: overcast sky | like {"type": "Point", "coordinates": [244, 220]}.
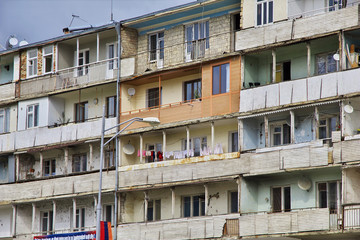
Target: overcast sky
{"type": "Point", "coordinates": [36, 20]}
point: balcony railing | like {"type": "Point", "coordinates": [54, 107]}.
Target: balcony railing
{"type": "Point", "coordinates": [300, 91]}
{"type": "Point", "coordinates": [180, 111]}
{"type": "Point", "coordinates": [351, 217]}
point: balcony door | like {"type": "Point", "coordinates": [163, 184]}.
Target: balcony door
{"type": "Point", "coordinates": [83, 60]}
{"type": "Point", "coordinates": [111, 64]}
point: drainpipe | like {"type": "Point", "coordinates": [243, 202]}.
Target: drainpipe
{"type": "Point", "coordinates": [118, 30]}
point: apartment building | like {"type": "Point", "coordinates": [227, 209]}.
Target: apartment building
{"type": "Point", "coordinates": [259, 131]}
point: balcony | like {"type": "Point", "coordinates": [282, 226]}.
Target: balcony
{"type": "Point", "coordinates": [76, 77]}
{"type": "Point", "coordinates": [186, 228]}
{"type": "Point", "coordinates": [300, 91]}
{"type": "Point", "coordinates": [296, 29]}
{"type": "Point", "coordinates": [7, 91]}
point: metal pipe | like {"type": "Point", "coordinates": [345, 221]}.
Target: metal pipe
{"type": "Point", "coordinates": [98, 208]}
{"type": "Point", "coordinates": [118, 30]}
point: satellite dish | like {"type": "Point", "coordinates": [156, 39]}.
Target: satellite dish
{"type": "Point", "coordinates": [23, 43]}
{"type": "Point", "coordinates": [128, 149]}
{"type": "Point", "coordinates": [11, 42]}
{"type": "Point", "coordinates": [336, 57]}
{"type": "Point", "coordinates": [131, 92]}
{"type": "Point", "coordinates": [348, 108]}
{"type": "Point", "coordinates": [304, 183]}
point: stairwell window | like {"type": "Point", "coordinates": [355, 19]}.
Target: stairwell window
{"type": "Point", "coordinates": [32, 62]}
{"type": "Point", "coordinates": [221, 79]}
{"type": "Point", "coordinates": [264, 12]}
{"type": "Point", "coordinates": [4, 120]}
{"type": "Point", "coordinates": [281, 199]}
{"type": "Point", "coordinates": [196, 40]}
{"type": "Point", "coordinates": [48, 59]}
{"type": "Point", "coordinates": [32, 116]}
{"type": "Point", "coordinates": [193, 206]}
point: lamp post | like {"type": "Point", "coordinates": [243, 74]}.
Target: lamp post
{"type": "Point", "coordinates": [150, 120]}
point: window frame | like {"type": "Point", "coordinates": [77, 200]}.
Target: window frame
{"type": "Point", "coordinates": [199, 42]}
{"type": "Point", "coordinates": [201, 205]}
{"type": "Point", "coordinates": [5, 114]}
{"type": "Point", "coordinates": [81, 69]}
{"type": "Point", "coordinates": [338, 195]}
{"type": "Point", "coordinates": [35, 115]}
{"type": "Point", "coordinates": [148, 95]}
{"type": "Point", "coordinates": [282, 198]}
{"type": "Point", "coordinates": [52, 167]}
{"type": "Point", "coordinates": [328, 128]}
{"type": "Point", "coordinates": [105, 215]}
{"type": "Point", "coordinates": [45, 55]}
{"type": "Point", "coordinates": [79, 223]}
{"type": "Point", "coordinates": [281, 124]}
{"type": "Point", "coordinates": [112, 62]}
{"type": "Point", "coordinates": [192, 82]}
{"type": "Point", "coordinates": [49, 222]}
{"type": "Point", "coordinates": [230, 201]}
{"type": "Point", "coordinates": [227, 80]}
{"type": "Point", "coordinates": [82, 158]}
{"type": "Point", "coordinates": [264, 18]}
{"type": "Point", "coordinates": [32, 63]}
{"type": "Point", "coordinates": [327, 64]}
{"type": "Point", "coordinates": [159, 51]}
{"type": "Point", "coordinates": [84, 108]}
{"type": "Point", "coordinates": [108, 106]}
{"type": "Point", "coordinates": [156, 210]}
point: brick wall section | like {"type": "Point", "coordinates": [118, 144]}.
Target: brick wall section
{"type": "Point", "coordinates": [129, 41]}
{"type": "Point", "coordinates": [23, 65]}
{"type": "Point", "coordinates": [40, 59]}
{"type": "Point", "coordinates": [174, 38]}
{"type": "Point", "coordinates": [54, 57]}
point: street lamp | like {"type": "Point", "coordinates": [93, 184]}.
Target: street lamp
{"type": "Point", "coordinates": [150, 120]}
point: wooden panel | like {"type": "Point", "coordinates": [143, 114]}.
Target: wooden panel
{"type": "Point", "coordinates": [146, 113]}
{"type": "Point", "coordinates": [350, 150]}
{"type": "Point", "coordinates": [220, 104]}
{"type": "Point", "coordinates": [180, 113]}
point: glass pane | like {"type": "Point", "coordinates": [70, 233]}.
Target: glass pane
{"type": "Point", "coordinates": [161, 45]}
{"type": "Point", "coordinates": [322, 132]}
{"type": "Point", "coordinates": [157, 209]}
{"type": "Point", "coordinates": [188, 95]}
{"type": "Point", "coordinates": [53, 167]}
{"type": "Point", "coordinates": [83, 163]}
{"type": "Point", "coordinates": [331, 64]}
{"type": "Point", "coordinates": [321, 66]}
{"type": "Point", "coordinates": [286, 134]}
{"type": "Point", "coordinates": [48, 64]}
{"type": "Point", "coordinates": [189, 38]}
{"type": "Point", "coordinates": [187, 203]}
{"type": "Point", "coordinates": [44, 222]}
{"type": "Point", "coordinates": [332, 195]}
{"type": "Point", "coordinates": [265, 13]}
{"type": "Point", "coordinates": [2, 127]}
{"type": "Point", "coordinates": [50, 220]}
{"type": "Point", "coordinates": [207, 34]}
{"type": "Point", "coordinates": [196, 31]}
{"type": "Point", "coordinates": [271, 12]}
{"type": "Point", "coordinates": [333, 123]}
{"type": "Point", "coordinates": [85, 111]}
{"type": "Point", "coordinates": [202, 205]}
{"type": "Point", "coordinates": [153, 47]}
{"type": "Point", "coordinates": [258, 16]}
{"type": "Point", "coordinates": [48, 50]}
{"type": "Point", "coordinates": [276, 201]}
{"type": "Point", "coordinates": [234, 202]}
{"type": "Point", "coordinates": [216, 80]}
{"type": "Point", "coordinates": [197, 146]}
{"type": "Point", "coordinates": [150, 211]}
{"type": "Point", "coordinates": [36, 115]}
{"type": "Point", "coordinates": [30, 120]}
{"type": "Point", "coordinates": [234, 142]}
{"type": "Point", "coordinates": [287, 199]}
{"type": "Point", "coordinates": [322, 195]}
{"type": "Point", "coordinates": [196, 206]}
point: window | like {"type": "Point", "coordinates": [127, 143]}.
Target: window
{"type": "Point", "coordinates": [81, 112]}
{"type": "Point", "coordinates": [221, 79]}
{"type": "Point", "coordinates": [192, 90]}
{"type": "Point", "coordinates": [194, 206]}
{"type": "Point", "coordinates": [234, 142]}
{"type": "Point", "coordinates": [280, 134]}
{"type": "Point", "coordinates": [264, 12]}
{"type": "Point", "coordinates": [47, 59]}
{"type": "Point", "coordinates": [196, 144]}
{"type": "Point", "coordinates": [83, 59]}
{"type": "Point", "coordinates": [329, 195]}
{"type": "Point", "coordinates": [49, 167]}
{"type": "Point", "coordinates": [335, 5]}
{"type": "Point", "coordinates": [327, 125]}
{"type": "Point", "coordinates": [196, 40]}
{"type": "Point", "coordinates": [234, 206]}
{"type": "Point", "coordinates": [157, 147]}
{"type": "Point", "coordinates": [281, 200]}
{"type": "Point", "coordinates": [283, 71]}
{"type": "Point", "coordinates": [153, 97]}
{"type": "Point", "coordinates": [79, 163]}
{"type": "Point", "coordinates": [156, 46]}
{"type": "Point", "coordinates": [108, 215]}
{"type": "Point", "coordinates": [46, 222]}
{"type": "Point", "coordinates": [154, 210]}
{"type": "Point", "coordinates": [32, 62]}
{"type": "Point", "coordinates": [111, 106]}
{"type": "Point", "coordinates": [80, 219]}
{"type": "Point", "coordinates": [32, 116]}
{"type": "Point", "coordinates": [4, 120]}
{"type": "Point", "coordinates": [325, 63]}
